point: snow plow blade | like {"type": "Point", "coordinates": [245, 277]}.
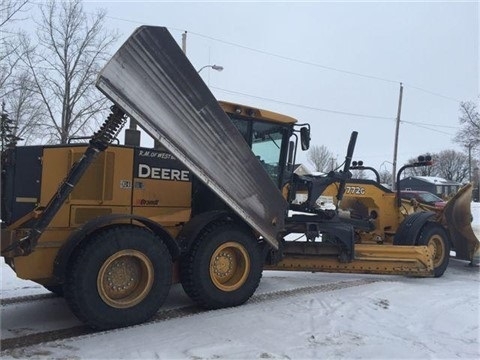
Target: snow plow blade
{"type": "Point", "coordinates": [151, 79]}
{"type": "Point", "coordinates": [457, 217]}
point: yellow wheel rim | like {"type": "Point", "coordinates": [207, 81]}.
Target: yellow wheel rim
{"type": "Point", "coordinates": [229, 266]}
{"type": "Point", "coordinates": [435, 245]}
{"type": "Point", "coordinates": [125, 279]}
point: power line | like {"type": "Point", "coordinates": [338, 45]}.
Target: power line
{"type": "Point", "coordinates": [297, 60]}
{"type": "Point", "coordinates": [419, 124]}
{"type": "Point", "coordinates": [300, 61]}
{"type": "Point", "coordinates": [373, 77]}
{"type": "Point", "coordinates": [126, 20]}
{"type": "Point", "coordinates": [304, 106]}
{"type": "Point", "coordinates": [426, 127]}
{"type": "Point", "coordinates": [436, 125]}
{"type": "Point", "coordinates": [434, 93]}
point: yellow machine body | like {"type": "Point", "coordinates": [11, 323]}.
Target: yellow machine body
{"type": "Point", "coordinates": [367, 199]}
{"type": "Point", "coordinates": [118, 182]}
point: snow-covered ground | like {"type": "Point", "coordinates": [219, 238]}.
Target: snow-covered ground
{"type": "Point", "coordinates": [476, 219]}
{"type": "Point", "coordinates": [381, 317]}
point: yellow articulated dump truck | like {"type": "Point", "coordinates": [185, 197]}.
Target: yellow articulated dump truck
{"type": "Point", "coordinates": [111, 227]}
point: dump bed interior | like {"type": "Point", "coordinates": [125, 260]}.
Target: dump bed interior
{"type": "Point", "coordinates": [152, 80]}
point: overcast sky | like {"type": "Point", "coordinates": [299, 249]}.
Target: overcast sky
{"type": "Point", "coordinates": [336, 65]}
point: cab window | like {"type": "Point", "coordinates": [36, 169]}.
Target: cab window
{"type": "Point", "coordinates": [267, 145]}
{"type": "Point", "coordinates": [265, 139]}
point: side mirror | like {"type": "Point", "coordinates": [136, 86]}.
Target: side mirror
{"type": "Point", "coordinates": [305, 138]}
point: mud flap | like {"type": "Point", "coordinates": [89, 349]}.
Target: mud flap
{"type": "Point", "coordinates": [152, 80]}
{"type": "Point", "coordinates": [457, 218]}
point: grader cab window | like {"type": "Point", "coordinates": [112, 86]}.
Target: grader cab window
{"type": "Point", "coordinates": [267, 145]}
{"type": "Point", "coordinates": [265, 139]}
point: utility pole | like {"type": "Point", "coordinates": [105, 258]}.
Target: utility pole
{"type": "Point", "coordinates": [184, 42]}
{"type": "Point", "coordinates": [397, 128]}
{"type": "Point", "coordinates": [470, 162]}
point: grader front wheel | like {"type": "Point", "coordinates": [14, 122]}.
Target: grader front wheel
{"type": "Point", "coordinates": [436, 238]}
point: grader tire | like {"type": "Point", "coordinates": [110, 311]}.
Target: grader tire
{"type": "Point", "coordinates": [119, 278]}
{"type": "Point", "coordinates": [56, 289]}
{"type": "Point", "coordinates": [436, 238]}
{"type": "Point", "coordinates": [223, 268]}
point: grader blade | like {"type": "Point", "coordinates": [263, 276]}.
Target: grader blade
{"type": "Point", "coordinates": [369, 259]}
{"type": "Point", "coordinates": [152, 80]}
{"type": "Point", "coordinates": [457, 217]}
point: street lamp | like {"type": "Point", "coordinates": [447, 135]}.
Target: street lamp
{"type": "Point", "coordinates": [214, 67]}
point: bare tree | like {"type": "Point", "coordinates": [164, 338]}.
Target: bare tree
{"type": "Point", "coordinates": [71, 49]}
{"type": "Point", "coordinates": [10, 10]}
{"type": "Point", "coordinates": [321, 158]}
{"type": "Point", "coordinates": [26, 110]}
{"type": "Point", "coordinates": [13, 78]}
{"type": "Point", "coordinates": [451, 165]}
{"type": "Point", "coordinates": [469, 134]}
{"type": "Point", "coordinates": [385, 177]}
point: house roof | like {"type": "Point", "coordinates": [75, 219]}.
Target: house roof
{"type": "Point", "coordinates": [301, 169]}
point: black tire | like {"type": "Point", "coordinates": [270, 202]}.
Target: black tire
{"type": "Point", "coordinates": [56, 289]}
{"type": "Point", "coordinates": [223, 267]}
{"type": "Point", "coordinates": [118, 278]}
{"type": "Point", "coordinates": [435, 237]}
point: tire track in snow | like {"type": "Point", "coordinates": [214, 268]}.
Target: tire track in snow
{"type": "Point", "coordinates": [280, 294]}
{"type": "Point", "coordinates": [164, 315]}
{"type": "Point", "coordinates": [26, 299]}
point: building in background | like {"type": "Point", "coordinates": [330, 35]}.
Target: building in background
{"type": "Point", "coordinates": [436, 185]}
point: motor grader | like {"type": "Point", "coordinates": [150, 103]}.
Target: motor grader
{"type": "Point", "coordinates": [110, 227]}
